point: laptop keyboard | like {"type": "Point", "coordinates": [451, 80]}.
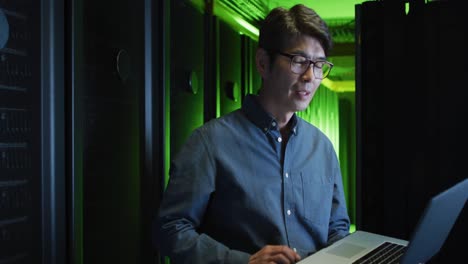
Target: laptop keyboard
{"type": "Point", "coordinates": [387, 253]}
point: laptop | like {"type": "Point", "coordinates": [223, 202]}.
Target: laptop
{"type": "Point", "coordinates": [433, 228]}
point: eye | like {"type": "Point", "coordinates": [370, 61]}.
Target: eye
{"type": "Point", "coordinates": [300, 60]}
{"type": "Point", "coordinates": [319, 64]}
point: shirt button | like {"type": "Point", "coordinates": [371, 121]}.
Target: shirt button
{"type": "Point", "coordinates": [280, 139]}
{"type": "Point", "coordinates": [286, 175]}
{"type": "Point", "coordinates": [265, 129]}
{"type": "Point", "coordinates": [289, 212]}
{"type": "Point", "coordinates": [273, 123]}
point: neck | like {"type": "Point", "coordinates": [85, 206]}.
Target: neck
{"type": "Point", "coordinates": [281, 117]}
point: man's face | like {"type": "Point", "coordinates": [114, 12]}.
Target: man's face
{"type": "Point", "coordinates": [291, 92]}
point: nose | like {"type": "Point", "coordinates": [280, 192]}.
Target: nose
{"type": "Point", "coordinates": [308, 75]}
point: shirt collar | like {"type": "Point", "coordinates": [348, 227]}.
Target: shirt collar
{"type": "Point", "coordinates": [257, 115]}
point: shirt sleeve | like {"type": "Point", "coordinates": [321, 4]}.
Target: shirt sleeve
{"type": "Point", "coordinates": [339, 219]}
{"type": "Point", "coordinates": [185, 200]}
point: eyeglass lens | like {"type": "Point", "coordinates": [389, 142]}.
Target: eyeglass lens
{"type": "Point", "coordinates": [300, 64]}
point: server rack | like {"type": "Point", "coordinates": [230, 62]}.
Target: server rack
{"type": "Point", "coordinates": [32, 213]}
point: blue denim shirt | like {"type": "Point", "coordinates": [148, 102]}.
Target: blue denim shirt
{"type": "Point", "coordinates": [229, 194]}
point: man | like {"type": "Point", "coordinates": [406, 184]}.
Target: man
{"type": "Point", "coordinates": [260, 185]}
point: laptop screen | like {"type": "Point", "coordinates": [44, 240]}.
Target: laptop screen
{"type": "Point", "coordinates": [436, 223]}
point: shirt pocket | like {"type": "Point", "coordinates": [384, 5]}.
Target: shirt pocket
{"type": "Point", "coordinates": [317, 198]}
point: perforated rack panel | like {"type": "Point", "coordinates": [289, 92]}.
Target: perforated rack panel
{"type": "Point", "coordinates": [20, 177]}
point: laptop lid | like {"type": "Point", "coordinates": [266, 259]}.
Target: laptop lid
{"type": "Point", "coordinates": [436, 223]}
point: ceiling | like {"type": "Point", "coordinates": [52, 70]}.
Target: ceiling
{"type": "Point", "coordinates": [327, 9]}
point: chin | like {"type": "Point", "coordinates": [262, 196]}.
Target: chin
{"type": "Point", "coordinates": [301, 107]}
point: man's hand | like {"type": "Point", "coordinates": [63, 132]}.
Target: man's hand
{"type": "Point", "coordinates": [275, 255]}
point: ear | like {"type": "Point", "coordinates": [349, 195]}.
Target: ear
{"type": "Point", "coordinates": [262, 61]}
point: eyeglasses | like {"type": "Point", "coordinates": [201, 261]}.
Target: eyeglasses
{"type": "Point", "coordinates": [300, 64]}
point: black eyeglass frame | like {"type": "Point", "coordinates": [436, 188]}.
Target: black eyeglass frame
{"type": "Point", "coordinates": [311, 62]}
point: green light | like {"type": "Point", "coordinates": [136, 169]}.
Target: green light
{"type": "Point", "coordinates": [323, 112]}
{"type": "Point", "coordinates": [228, 15]}
{"type": "Point", "coordinates": [247, 26]}
{"type": "Point", "coordinates": [167, 98]}
{"type": "Point", "coordinates": [327, 9]}
{"type": "Point", "coordinates": [339, 86]}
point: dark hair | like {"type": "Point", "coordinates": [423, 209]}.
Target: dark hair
{"type": "Point", "coordinates": [281, 24]}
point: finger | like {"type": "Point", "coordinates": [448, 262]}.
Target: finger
{"type": "Point", "coordinates": [261, 259]}
{"type": "Point", "coordinates": [265, 251]}
{"type": "Point", "coordinates": [289, 253]}
{"type": "Point", "coordinates": [296, 256]}
{"type": "Point", "coordinates": [279, 254]}
{"type": "Point", "coordinates": [281, 258]}
{"type": "Point", "coordinates": [273, 259]}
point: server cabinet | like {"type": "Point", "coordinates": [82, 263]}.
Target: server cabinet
{"type": "Point", "coordinates": [81, 130]}
{"type": "Point", "coordinates": [230, 69]}
{"type": "Point", "coordinates": [187, 72]}
{"type": "Point", "coordinates": [251, 80]}
{"type": "Point", "coordinates": [116, 149]}
{"type": "Point", "coordinates": [20, 134]}
{"type": "Point", "coordinates": [411, 139]}
{"type": "Point", "coordinates": [116, 133]}
{"type": "Point", "coordinates": [32, 182]}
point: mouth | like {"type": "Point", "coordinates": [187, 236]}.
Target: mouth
{"type": "Point", "coordinates": [303, 93]}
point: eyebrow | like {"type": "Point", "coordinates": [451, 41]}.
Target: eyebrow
{"type": "Point", "coordinates": [302, 53]}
